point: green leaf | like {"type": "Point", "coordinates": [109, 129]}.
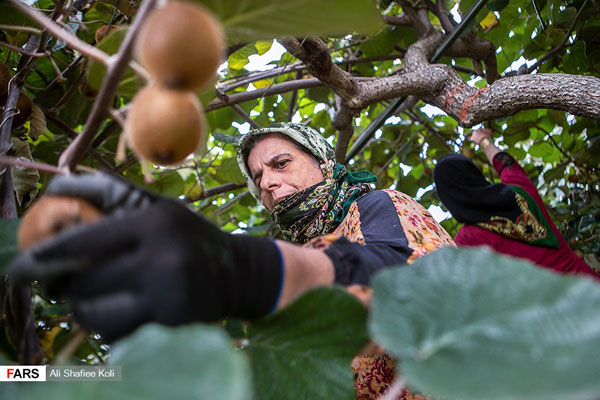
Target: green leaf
{"type": "Point", "coordinates": [189, 362]}
{"type": "Point", "coordinates": [239, 59]}
{"type": "Point", "coordinates": [157, 362]}
{"type": "Point", "coordinates": [566, 17]}
{"type": "Point", "coordinates": [540, 149]}
{"type": "Point", "coordinates": [8, 242]}
{"type": "Point", "coordinates": [10, 15]}
{"type": "Point", "coordinates": [472, 324]}
{"type": "Point", "coordinates": [497, 5]}
{"type": "Point", "coordinates": [575, 61]}
{"type": "Point", "coordinates": [262, 46]}
{"type": "Point", "coordinates": [304, 351]}
{"type": "Point", "coordinates": [130, 83]}
{"type": "Point", "coordinates": [169, 184]}
{"type": "Point", "coordinates": [252, 20]}
{"type": "Point", "coordinates": [229, 171]}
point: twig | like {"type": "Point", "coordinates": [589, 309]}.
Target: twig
{"type": "Point", "coordinates": [20, 28]}
{"type": "Point", "coordinates": [562, 44]}
{"type": "Point", "coordinates": [62, 34]}
{"type": "Point", "coordinates": [23, 51]}
{"type": "Point", "coordinates": [256, 94]}
{"type": "Point", "coordinates": [72, 135]}
{"type": "Point", "coordinates": [59, 75]}
{"type": "Point", "coordinates": [24, 163]}
{"type": "Point", "coordinates": [76, 150]}
{"type": "Point", "coordinates": [227, 187]}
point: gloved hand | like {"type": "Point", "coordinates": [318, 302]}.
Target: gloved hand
{"type": "Point", "coordinates": [150, 259]}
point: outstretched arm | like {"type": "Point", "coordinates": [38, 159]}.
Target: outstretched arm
{"type": "Point", "coordinates": [304, 268]}
{"type": "Point", "coordinates": [483, 138]}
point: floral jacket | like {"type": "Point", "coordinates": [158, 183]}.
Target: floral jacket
{"type": "Point", "coordinates": [382, 228]}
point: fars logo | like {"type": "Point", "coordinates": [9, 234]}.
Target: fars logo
{"type": "Point", "coordinates": [22, 373]}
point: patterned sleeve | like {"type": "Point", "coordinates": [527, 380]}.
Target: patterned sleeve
{"type": "Point", "coordinates": [382, 230]}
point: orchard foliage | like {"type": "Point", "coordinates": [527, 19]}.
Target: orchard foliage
{"type": "Point", "coordinates": [334, 48]}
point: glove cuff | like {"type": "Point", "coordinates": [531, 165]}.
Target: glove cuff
{"type": "Point", "coordinates": [258, 282]}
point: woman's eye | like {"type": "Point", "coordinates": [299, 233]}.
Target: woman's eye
{"type": "Point", "coordinates": [282, 163]}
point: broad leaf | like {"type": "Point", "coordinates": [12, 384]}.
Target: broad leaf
{"type": "Point", "coordinates": [252, 20]}
{"type": "Point", "coordinates": [190, 362]}
{"type": "Point", "coordinates": [472, 324]}
{"type": "Point", "coordinates": [304, 351]}
{"type": "Point", "coordinates": [96, 71]}
{"type": "Point", "coordinates": [157, 362]}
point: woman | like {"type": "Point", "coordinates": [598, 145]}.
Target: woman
{"type": "Point", "coordinates": [510, 216]}
{"type": "Point", "coordinates": [290, 168]}
{"type": "Point", "coordinates": [151, 259]}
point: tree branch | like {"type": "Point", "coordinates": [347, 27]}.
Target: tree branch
{"type": "Point", "coordinates": [343, 123]}
{"type": "Point", "coordinates": [59, 32]}
{"type": "Point", "coordinates": [74, 153]}
{"type": "Point", "coordinates": [315, 55]}
{"type": "Point", "coordinates": [277, 88]}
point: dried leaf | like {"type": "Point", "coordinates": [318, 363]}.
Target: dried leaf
{"type": "Point", "coordinates": [24, 179]}
{"type": "Point", "coordinates": [37, 126]}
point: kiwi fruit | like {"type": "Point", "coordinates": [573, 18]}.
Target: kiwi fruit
{"type": "Point", "coordinates": [4, 79]}
{"type": "Point", "coordinates": [103, 32]}
{"type": "Point", "coordinates": [25, 107]}
{"type": "Point", "coordinates": [181, 45]}
{"type": "Point", "coordinates": [164, 126]}
{"type": "Point", "coordinates": [52, 214]}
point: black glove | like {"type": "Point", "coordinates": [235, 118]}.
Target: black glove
{"type": "Point", "coordinates": [150, 259]}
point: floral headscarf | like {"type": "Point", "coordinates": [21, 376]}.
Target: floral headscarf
{"type": "Point", "coordinates": [319, 209]}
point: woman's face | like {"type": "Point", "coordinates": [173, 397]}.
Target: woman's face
{"type": "Point", "coordinates": [278, 168]}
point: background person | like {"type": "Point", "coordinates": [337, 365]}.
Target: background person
{"type": "Point", "coordinates": [151, 259]}
{"type": "Point", "coordinates": [510, 216]}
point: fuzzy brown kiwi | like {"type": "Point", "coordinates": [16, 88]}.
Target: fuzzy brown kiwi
{"type": "Point", "coordinates": [25, 107]}
{"type": "Point", "coordinates": [52, 214]}
{"type": "Point", "coordinates": [4, 79]}
{"type": "Point", "coordinates": [164, 126]}
{"type": "Point", "coordinates": [181, 45]}
{"type": "Point", "coordinates": [103, 32]}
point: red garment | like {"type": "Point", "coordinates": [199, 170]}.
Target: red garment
{"type": "Point", "coordinates": [562, 259]}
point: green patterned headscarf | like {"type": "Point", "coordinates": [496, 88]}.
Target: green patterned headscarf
{"type": "Point", "coordinates": [319, 209]}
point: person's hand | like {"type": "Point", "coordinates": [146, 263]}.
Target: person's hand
{"type": "Point", "coordinates": [478, 135]}
{"type": "Point", "coordinates": [149, 259]}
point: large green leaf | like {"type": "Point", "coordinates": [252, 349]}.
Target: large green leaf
{"type": "Point", "coordinates": [157, 362]}
{"type": "Point", "coordinates": [251, 20]}
{"type": "Point", "coordinates": [8, 242]}
{"type": "Point", "coordinates": [472, 324]}
{"type": "Point", "coordinates": [304, 351]}
{"type": "Point", "coordinates": [96, 71]}
{"type": "Point", "coordinates": [189, 362]}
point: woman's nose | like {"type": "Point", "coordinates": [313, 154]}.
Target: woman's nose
{"type": "Point", "coordinates": [269, 180]}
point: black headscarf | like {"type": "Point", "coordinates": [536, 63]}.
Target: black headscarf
{"type": "Point", "coordinates": [468, 195]}
{"type": "Point", "coordinates": [504, 209]}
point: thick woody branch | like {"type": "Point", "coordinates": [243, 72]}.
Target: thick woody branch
{"type": "Point", "coordinates": [114, 71]}
{"type": "Point", "coordinates": [440, 11]}
{"type": "Point", "coordinates": [315, 55]}
{"type": "Point", "coordinates": [578, 95]}
{"type": "Point", "coordinates": [397, 20]}
{"type": "Point", "coordinates": [343, 123]}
